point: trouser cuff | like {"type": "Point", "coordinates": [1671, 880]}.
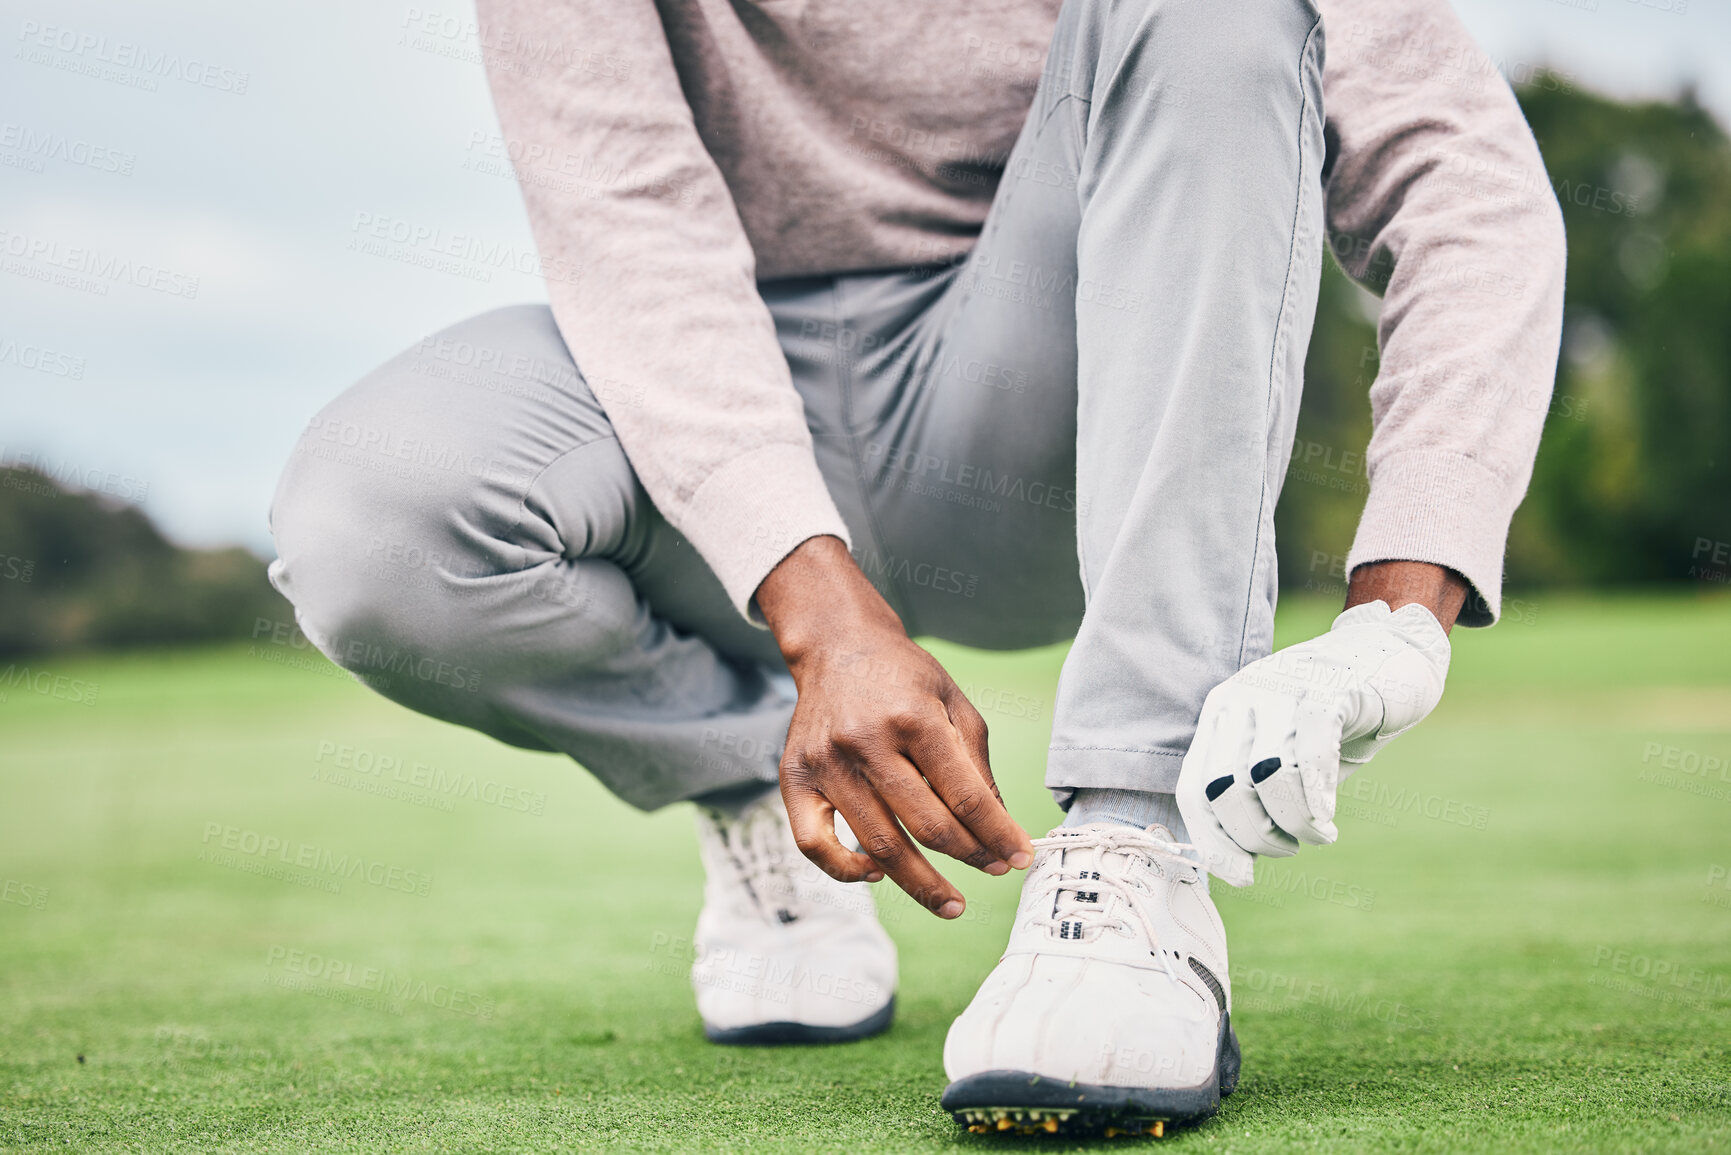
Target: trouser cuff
{"type": "Point", "coordinates": [1070, 767]}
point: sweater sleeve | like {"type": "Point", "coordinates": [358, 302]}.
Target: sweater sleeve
{"type": "Point", "coordinates": [1438, 199]}
{"type": "Point", "coordinates": [652, 279]}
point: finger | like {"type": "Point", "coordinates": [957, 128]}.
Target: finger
{"type": "Point", "coordinates": [843, 831]}
{"type": "Point", "coordinates": [1271, 722]}
{"type": "Point", "coordinates": [884, 840]}
{"type": "Point", "coordinates": [934, 745]}
{"type": "Point", "coordinates": [1278, 788]}
{"type": "Point", "coordinates": [1229, 744]}
{"type": "Point", "coordinates": [970, 725]}
{"type": "Point", "coordinates": [1241, 814]}
{"type": "Point", "coordinates": [1273, 775]}
{"type": "Point", "coordinates": [1230, 795]}
{"type": "Point", "coordinates": [972, 728]}
{"type": "Point", "coordinates": [1316, 747]}
{"type": "Point", "coordinates": [1219, 855]}
{"type": "Point", "coordinates": [924, 816]}
{"type": "Point", "coordinates": [812, 820]}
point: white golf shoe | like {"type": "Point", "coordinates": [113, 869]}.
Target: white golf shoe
{"type": "Point", "coordinates": [1110, 1008]}
{"type": "Point", "coordinates": [783, 952]}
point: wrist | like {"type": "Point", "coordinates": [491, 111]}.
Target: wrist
{"type": "Point", "coordinates": [817, 594]}
{"type": "Point", "coordinates": [1437, 588]}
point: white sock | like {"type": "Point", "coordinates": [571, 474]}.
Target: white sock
{"type": "Point", "coordinates": [1138, 808]}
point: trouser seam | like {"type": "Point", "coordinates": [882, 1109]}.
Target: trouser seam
{"type": "Point", "coordinates": [1087, 104]}
{"type": "Point", "coordinates": [1280, 330]}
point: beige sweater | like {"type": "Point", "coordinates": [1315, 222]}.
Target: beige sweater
{"type": "Point", "coordinates": [672, 152]}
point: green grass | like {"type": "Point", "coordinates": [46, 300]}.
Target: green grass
{"type": "Point", "coordinates": [1452, 988]}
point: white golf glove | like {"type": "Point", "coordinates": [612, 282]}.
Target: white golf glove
{"type": "Point", "coordinates": [1260, 777]}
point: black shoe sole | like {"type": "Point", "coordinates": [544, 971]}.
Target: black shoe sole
{"type": "Point", "coordinates": [802, 1034]}
{"type": "Point", "coordinates": [1017, 1102]}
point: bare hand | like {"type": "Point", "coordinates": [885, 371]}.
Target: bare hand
{"type": "Point", "coordinates": [881, 734]}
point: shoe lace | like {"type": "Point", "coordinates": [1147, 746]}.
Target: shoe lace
{"type": "Point", "coordinates": [756, 850]}
{"type": "Point", "coordinates": [1085, 894]}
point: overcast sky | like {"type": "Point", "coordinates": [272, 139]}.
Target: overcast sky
{"type": "Point", "coordinates": [232, 189]}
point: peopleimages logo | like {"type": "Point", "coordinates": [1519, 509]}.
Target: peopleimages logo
{"type": "Point", "coordinates": [73, 475]}
{"type": "Point", "coordinates": [361, 767]}
{"type": "Point", "coordinates": [24, 894]}
{"type": "Point", "coordinates": [1664, 980]}
{"type": "Point", "coordinates": [88, 53]}
{"type": "Point", "coordinates": [1274, 884]}
{"type": "Point", "coordinates": [774, 977]}
{"type": "Point", "coordinates": [1274, 991]}
{"type": "Point", "coordinates": [40, 145]}
{"type": "Point", "coordinates": [48, 684]}
{"type": "Point", "coordinates": [463, 253]}
{"type": "Point", "coordinates": [40, 359]}
{"type": "Point", "coordinates": [102, 268]}
{"type": "Point", "coordinates": [245, 846]}
{"type": "Point", "coordinates": [376, 987]}
{"type": "Point", "coordinates": [1382, 796]}
{"type": "Point", "coordinates": [927, 467]}
{"type": "Point", "coordinates": [368, 662]}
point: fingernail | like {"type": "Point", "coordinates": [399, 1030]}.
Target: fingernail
{"type": "Point", "coordinates": [996, 868]}
{"type": "Point", "coordinates": [951, 909]}
{"type": "Point", "coordinates": [1021, 860]}
{"type": "Point", "coordinates": [875, 876]}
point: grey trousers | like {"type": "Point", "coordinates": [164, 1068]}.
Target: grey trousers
{"type": "Point", "coordinates": [1078, 431]}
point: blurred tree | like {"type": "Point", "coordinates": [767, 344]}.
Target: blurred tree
{"type": "Point", "coordinates": [1633, 480]}
{"type": "Point", "coordinates": [79, 570]}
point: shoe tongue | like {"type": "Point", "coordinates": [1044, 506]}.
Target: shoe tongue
{"type": "Point", "coordinates": [1089, 829]}
{"type": "Point", "coordinates": [1121, 829]}
{"type": "Point", "coordinates": [1093, 858]}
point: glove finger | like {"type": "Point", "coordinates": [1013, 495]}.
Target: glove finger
{"type": "Point", "coordinates": [1271, 752]}
{"type": "Point", "coordinates": [1230, 795]}
{"type": "Point", "coordinates": [1240, 812]}
{"type": "Point", "coordinates": [1316, 746]}
{"type": "Point", "coordinates": [1229, 745]}
{"type": "Point", "coordinates": [1281, 792]}
{"type": "Point", "coordinates": [1273, 718]}
{"type": "Point", "coordinates": [1219, 855]}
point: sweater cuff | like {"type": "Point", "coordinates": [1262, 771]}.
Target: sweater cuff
{"type": "Point", "coordinates": [1443, 508]}
{"type": "Point", "coordinates": [751, 512]}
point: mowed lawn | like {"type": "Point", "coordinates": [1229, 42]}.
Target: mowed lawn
{"type": "Point", "coordinates": [1522, 942]}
